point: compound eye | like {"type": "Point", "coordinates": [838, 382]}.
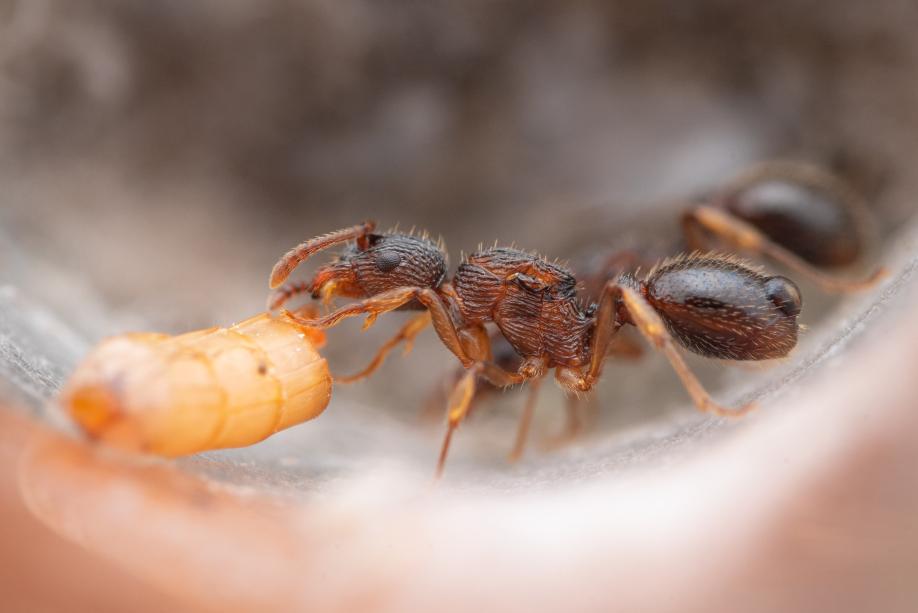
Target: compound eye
{"type": "Point", "coordinates": [784, 294]}
{"type": "Point", "coordinates": [387, 261]}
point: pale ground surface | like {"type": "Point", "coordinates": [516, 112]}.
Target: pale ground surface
{"type": "Point", "coordinates": [809, 504]}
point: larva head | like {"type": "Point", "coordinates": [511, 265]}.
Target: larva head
{"type": "Point", "coordinates": [719, 307]}
{"type": "Point", "coordinates": [379, 263]}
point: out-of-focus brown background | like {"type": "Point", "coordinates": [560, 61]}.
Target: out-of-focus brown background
{"type": "Point", "coordinates": [166, 153]}
{"type": "Point", "coordinates": [156, 158]}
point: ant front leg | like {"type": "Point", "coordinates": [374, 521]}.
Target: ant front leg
{"type": "Point", "coordinates": [744, 236]}
{"type": "Point", "coordinates": [622, 303]}
{"type": "Point", "coordinates": [407, 333]}
{"type": "Point", "coordinates": [372, 307]}
{"type": "Point", "coordinates": [286, 292]}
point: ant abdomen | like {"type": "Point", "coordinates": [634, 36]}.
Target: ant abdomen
{"type": "Point", "coordinates": [717, 307]}
{"type": "Point", "coordinates": [804, 209]}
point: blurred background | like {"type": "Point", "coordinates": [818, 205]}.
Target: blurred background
{"type": "Point", "coordinates": [157, 157]}
{"type": "Point", "coordinates": [165, 154]}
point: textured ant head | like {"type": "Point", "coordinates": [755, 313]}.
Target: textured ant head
{"type": "Point", "coordinates": [381, 262]}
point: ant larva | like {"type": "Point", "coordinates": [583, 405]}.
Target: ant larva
{"type": "Point", "coordinates": [712, 304]}
{"type": "Point", "coordinates": [208, 389]}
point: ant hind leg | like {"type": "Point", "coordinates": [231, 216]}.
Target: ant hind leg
{"type": "Point", "coordinates": [620, 302]}
{"type": "Point", "coordinates": [653, 329]}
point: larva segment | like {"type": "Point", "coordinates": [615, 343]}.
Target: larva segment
{"type": "Point", "coordinates": [209, 389]}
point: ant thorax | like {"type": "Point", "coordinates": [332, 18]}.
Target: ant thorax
{"type": "Point", "coordinates": [533, 302]}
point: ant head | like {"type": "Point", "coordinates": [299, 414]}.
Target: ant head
{"type": "Point", "coordinates": [381, 262]}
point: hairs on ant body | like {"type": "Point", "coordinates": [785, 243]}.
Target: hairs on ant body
{"type": "Point", "coordinates": [711, 304]}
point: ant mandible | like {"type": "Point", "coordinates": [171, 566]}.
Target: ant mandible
{"type": "Point", "coordinates": [713, 305]}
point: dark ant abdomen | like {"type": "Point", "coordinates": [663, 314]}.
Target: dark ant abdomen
{"type": "Point", "coordinates": [717, 308]}
{"type": "Point", "coordinates": [814, 221]}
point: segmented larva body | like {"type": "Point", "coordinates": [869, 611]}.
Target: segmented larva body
{"type": "Point", "coordinates": [209, 389]}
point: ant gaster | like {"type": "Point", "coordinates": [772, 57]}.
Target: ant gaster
{"type": "Point", "coordinates": [713, 305]}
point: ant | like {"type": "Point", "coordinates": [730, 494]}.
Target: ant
{"type": "Point", "coordinates": [802, 216]}
{"type": "Point", "coordinates": [711, 304]}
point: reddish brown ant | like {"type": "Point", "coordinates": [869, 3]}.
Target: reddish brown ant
{"type": "Point", "coordinates": [806, 218]}
{"type": "Point", "coordinates": [713, 305]}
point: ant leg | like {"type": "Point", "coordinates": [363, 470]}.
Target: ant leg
{"type": "Point", "coordinates": [288, 291]}
{"type": "Point", "coordinates": [743, 235]}
{"type": "Point", "coordinates": [371, 307]}
{"type": "Point", "coordinates": [573, 424]}
{"type": "Point", "coordinates": [475, 344]}
{"type": "Point", "coordinates": [285, 293]}
{"type": "Point", "coordinates": [589, 412]}
{"type": "Point", "coordinates": [625, 347]}
{"type": "Point", "coordinates": [641, 314]}
{"type": "Point", "coordinates": [459, 401]}
{"type": "Point", "coordinates": [522, 432]}
{"type": "Point", "coordinates": [447, 329]}
{"type": "Point", "coordinates": [650, 324]}
{"type": "Point", "coordinates": [408, 333]}
{"type": "Point", "coordinates": [461, 398]}
{"type": "Point", "coordinates": [290, 260]}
